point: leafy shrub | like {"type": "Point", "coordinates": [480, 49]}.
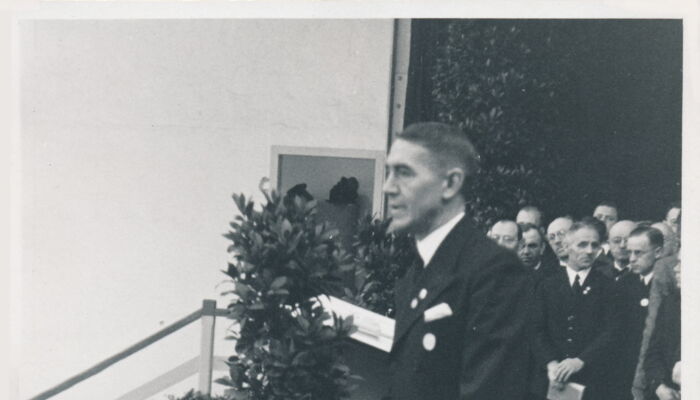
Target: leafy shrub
{"type": "Point", "coordinates": [286, 345]}
{"type": "Point", "coordinates": [380, 259]}
{"type": "Point", "coordinates": [498, 81]}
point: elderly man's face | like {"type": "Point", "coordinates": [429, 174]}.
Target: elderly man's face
{"type": "Point", "coordinates": [556, 232]}
{"type": "Point", "coordinates": [642, 254]}
{"type": "Point", "coordinates": [670, 238]}
{"type": "Point", "coordinates": [673, 218]}
{"type": "Point", "coordinates": [505, 233]}
{"type": "Point", "coordinates": [582, 247]}
{"type": "Point", "coordinates": [618, 236]}
{"type": "Point", "coordinates": [414, 186]}
{"type": "Point", "coordinates": [606, 215]}
{"type": "Point", "coordinates": [531, 248]}
{"type": "Point", "coordinates": [529, 217]}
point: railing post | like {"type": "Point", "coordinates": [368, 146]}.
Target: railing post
{"type": "Point", "coordinates": [206, 354]}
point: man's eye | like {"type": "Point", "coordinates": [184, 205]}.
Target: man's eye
{"type": "Point", "coordinates": [404, 172]}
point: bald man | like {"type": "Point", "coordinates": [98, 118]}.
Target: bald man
{"type": "Point", "coordinates": [506, 233]}
{"type": "Point", "coordinates": [556, 232]}
{"type": "Point", "coordinates": [618, 236]}
{"type": "Point", "coordinates": [529, 215]}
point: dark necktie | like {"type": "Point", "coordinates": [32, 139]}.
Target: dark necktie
{"type": "Point", "coordinates": [617, 272]}
{"type": "Point", "coordinates": [418, 264]}
{"type": "Point", "coordinates": [577, 285]}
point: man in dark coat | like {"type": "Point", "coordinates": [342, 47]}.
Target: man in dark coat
{"type": "Point", "coordinates": [461, 314]}
{"type": "Point", "coordinates": [531, 252]}
{"type": "Point", "coordinates": [662, 365]}
{"type": "Point", "coordinates": [619, 234]}
{"type": "Point", "coordinates": [576, 319]}
{"type": "Point", "coordinates": [645, 246]}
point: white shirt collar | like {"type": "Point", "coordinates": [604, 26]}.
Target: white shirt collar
{"type": "Point", "coordinates": [648, 277]}
{"type": "Point", "coordinates": [429, 244]}
{"type": "Point", "coordinates": [618, 266]}
{"type": "Point", "coordinates": [539, 264]}
{"type": "Point", "coordinates": [581, 275]}
{"type": "Point", "coordinates": [562, 263]}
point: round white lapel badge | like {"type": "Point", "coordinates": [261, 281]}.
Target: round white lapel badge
{"type": "Point", "coordinates": [429, 341]}
{"type": "Point", "coordinates": [414, 303]}
{"type": "Point", "coordinates": [423, 292]}
{"type": "Point", "coordinates": [644, 302]}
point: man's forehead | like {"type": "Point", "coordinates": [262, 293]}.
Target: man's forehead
{"type": "Point", "coordinates": [532, 235]}
{"type": "Point", "coordinates": [559, 224]}
{"type": "Point", "coordinates": [584, 234]}
{"type": "Point", "coordinates": [638, 242]}
{"type": "Point", "coordinates": [404, 152]}
{"type": "Point", "coordinates": [622, 228]}
{"type": "Point", "coordinates": [605, 210]}
{"type": "Point", "coordinates": [505, 226]}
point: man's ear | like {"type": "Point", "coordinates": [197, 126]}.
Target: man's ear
{"type": "Point", "coordinates": [454, 180]}
{"type": "Point", "coordinates": [658, 251]}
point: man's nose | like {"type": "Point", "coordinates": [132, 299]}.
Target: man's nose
{"type": "Point", "coordinates": [389, 186]}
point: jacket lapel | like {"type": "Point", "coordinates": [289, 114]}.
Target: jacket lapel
{"type": "Point", "coordinates": [440, 274]}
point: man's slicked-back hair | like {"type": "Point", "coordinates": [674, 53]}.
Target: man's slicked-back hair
{"type": "Point", "coordinates": [445, 142]}
{"type": "Point", "coordinates": [597, 225]}
{"type": "Point", "coordinates": [527, 227]}
{"type": "Point", "coordinates": [655, 236]}
{"type": "Point", "coordinates": [585, 224]}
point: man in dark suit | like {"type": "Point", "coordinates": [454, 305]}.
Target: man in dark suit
{"type": "Point", "coordinates": [662, 365]}
{"type": "Point", "coordinates": [460, 314]}
{"type": "Point", "coordinates": [606, 212]}
{"type": "Point", "coordinates": [556, 232]}
{"type": "Point", "coordinates": [663, 284]}
{"type": "Point", "coordinates": [619, 233]}
{"type": "Point", "coordinates": [645, 247]}
{"type": "Point", "coordinates": [576, 319]}
{"type": "Point", "coordinates": [531, 251]}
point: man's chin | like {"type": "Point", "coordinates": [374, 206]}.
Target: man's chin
{"type": "Point", "coordinates": [396, 227]}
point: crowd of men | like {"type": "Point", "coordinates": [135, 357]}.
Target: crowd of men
{"type": "Point", "coordinates": [606, 309]}
{"type": "Point", "coordinates": [589, 305]}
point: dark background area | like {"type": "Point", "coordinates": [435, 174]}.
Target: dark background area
{"type": "Point", "coordinates": [621, 107]}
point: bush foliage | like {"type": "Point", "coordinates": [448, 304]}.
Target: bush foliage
{"type": "Point", "coordinates": [286, 345]}
{"type": "Point", "coordinates": [498, 82]}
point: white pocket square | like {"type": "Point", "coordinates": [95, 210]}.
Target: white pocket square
{"type": "Point", "coordinates": [439, 311]}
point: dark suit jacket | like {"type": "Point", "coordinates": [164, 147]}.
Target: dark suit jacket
{"type": "Point", "coordinates": [607, 267]}
{"type": "Point", "coordinates": [634, 296]}
{"type": "Point", "coordinates": [479, 352]}
{"type": "Point", "coordinates": [587, 326]}
{"type": "Point", "coordinates": [547, 268]}
{"type": "Point", "coordinates": [663, 284]}
{"type": "Point", "coordinates": [665, 344]}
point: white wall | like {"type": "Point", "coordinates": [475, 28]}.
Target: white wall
{"type": "Point", "coordinates": [134, 135]}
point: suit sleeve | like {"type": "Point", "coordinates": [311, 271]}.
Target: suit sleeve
{"type": "Point", "coordinates": [598, 351]}
{"type": "Point", "coordinates": [494, 360]}
{"type": "Point", "coordinates": [542, 346]}
{"type": "Point", "coordinates": [661, 284]}
{"type": "Point", "coordinates": [655, 367]}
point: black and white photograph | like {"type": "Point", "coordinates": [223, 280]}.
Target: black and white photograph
{"type": "Point", "coordinates": [353, 200]}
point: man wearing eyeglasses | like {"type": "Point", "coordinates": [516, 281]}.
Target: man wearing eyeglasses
{"type": "Point", "coordinates": [618, 237]}
{"type": "Point", "coordinates": [506, 233]}
{"type": "Point", "coordinates": [556, 231]}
